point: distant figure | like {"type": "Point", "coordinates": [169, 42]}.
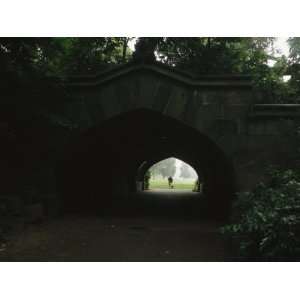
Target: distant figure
{"type": "Point", "coordinates": [170, 181]}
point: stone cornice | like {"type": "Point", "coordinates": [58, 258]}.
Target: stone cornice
{"type": "Point", "coordinates": [161, 70]}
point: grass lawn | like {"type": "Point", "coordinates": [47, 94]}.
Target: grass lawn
{"type": "Point", "coordinates": [178, 184]}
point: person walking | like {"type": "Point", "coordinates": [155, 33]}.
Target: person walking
{"type": "Point", "coordinates": [170, 181]}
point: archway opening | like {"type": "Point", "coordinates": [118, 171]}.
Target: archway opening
{"type": "Point", "coordinates": [172, 174]}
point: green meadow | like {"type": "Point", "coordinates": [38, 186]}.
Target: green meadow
{"type": "Point", "coordinates": [178, 184]}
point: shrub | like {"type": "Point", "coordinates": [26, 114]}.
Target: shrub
{"type": "Point", "coordinates": [266, 221]}
{"type": "Point", "coordinates": [196, 187]}
{"type": "Point", "coordinates": [147, 180]}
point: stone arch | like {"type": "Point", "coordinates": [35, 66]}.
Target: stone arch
{"type": "Point", "coordinates": [101, 164]}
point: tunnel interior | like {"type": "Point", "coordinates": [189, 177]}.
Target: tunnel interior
{"type": "Point", "coordinates": [100, 167]}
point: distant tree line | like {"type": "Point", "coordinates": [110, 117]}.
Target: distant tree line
{"type": "Point", "coordinates": [186, 171]}
{"type": "Point", "coordinates": [167, 167]}
{"type": "Point", "coordinates": [164, 168]}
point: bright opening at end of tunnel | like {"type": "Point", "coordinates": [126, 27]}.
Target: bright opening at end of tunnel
{"type": "Point", "coordinates": [172, 174]}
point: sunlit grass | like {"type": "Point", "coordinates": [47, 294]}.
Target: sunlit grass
{"type": "Point", "coordinates": [178, 184]}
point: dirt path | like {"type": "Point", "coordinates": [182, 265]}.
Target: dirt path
{"type": "Point", "coordinates": [76, 238]}
{"type": "Point", "coordinates": [175, 234]}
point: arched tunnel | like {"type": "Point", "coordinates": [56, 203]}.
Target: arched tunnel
{"type": "Point", "coordinates": [99, 170]}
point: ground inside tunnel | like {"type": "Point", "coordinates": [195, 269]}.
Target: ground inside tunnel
{"type": "Point", "coordinates": [173, 234]}
{"type": "Point", "coordinates": [170, 204]}
{"type": "Point", "coordinates": [79, 238]}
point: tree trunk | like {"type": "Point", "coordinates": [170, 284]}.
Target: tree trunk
{"type": "Point", "coordinates": [125, 45]}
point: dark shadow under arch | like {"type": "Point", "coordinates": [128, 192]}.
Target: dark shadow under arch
{"type": "Point", "coordinates": [100, 167]}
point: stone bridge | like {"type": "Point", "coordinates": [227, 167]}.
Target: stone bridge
{"type": "Point", "coordinates": [126, 119]}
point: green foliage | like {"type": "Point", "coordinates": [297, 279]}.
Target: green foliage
{"type": "Point", "coordinates": [147, 180]}
{"type": "Point", "coordinates": [294, 67]}
{"type": "Point", "coordinates": [224, 55]}
{"type": "Point", "coordinates": [196, 187]}
{"type": "Point", "coordinates": [270, 82]}
{"type": "Point", "coordinates": [26, 57]}
{"type": "Point", "coordinates": [267, 223]}
{"type": "Point", "coordinates": [61, 56]}
{"type": "Point", "coordinates": [214, 55]}
{"type": "Point", "coordinates": [294, 45]}
{"type": "Point", "coordinates": [85, 55]}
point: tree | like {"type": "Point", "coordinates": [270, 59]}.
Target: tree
{"type": "Point", "coordinates": [294, 67]}
{"type": "Point", "coordinates": [185, 171]}
{"type": "Point", "coordinates": [266, 223]}
{"type": "Point", "coordinates": [62, 56]}
{"type": "Point", "coordinates": [294, 50]}
{"type": "Point", "coordinates": [29, 56]}
{"type": "Point", "coordinates": [147, 180]}
{"type": "Point", "coordinates": [165, 168]}
{"type": "Point", "coordinates": [145, 49]}
{"type": "Point", "coordinates": [86, 55]}
{"type": "Point", "coordinates": [214, 55]}
{"type": "Point", "coordinates": [223, 55]}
